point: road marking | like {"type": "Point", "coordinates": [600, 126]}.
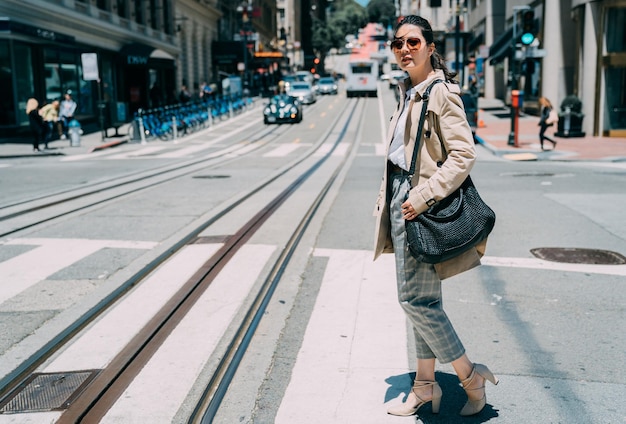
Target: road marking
{"type": "Point", "coordinates": [341, 150]}
{"type": "Point", "coordinates": [282, 150]}
{"type": "Point", "coordinates": [50, 256]}
{"type": "Point", "coordinates": [532, 263]}
{"type": "Point", "coordinates": [196, 337]}
{"type": "Point", "coordinates": [141, 152]}
{"type": "Point", "coordinates": [98, 346]}
{"type": "Point", "coordinates": [351, 352]}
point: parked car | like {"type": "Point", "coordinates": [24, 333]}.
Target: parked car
{"type": "Point", "coordinates": [282, 108]}
{"type": "Point", "coordinates": [288, 80]}
{"type": "Point", "coordinates": [470, 103]}
{"type": "Point", "coordinates": [302, 91]}
{"type": "Point", "coordinates": [327, 85]}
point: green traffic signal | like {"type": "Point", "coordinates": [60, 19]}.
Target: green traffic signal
{"type": "Point", "coordinates": [527, 38]}
{"type": "Point", "coordinates": [529, 28]}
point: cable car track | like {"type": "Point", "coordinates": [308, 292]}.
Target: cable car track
{"type": "Point", "coordinates": [101, 390]}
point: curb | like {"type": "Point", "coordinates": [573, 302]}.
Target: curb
{"type": "Point", "coordinates": [113, 143]}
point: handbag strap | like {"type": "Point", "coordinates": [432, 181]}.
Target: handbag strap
{"type": "Point", "coordinates": [420, 127]}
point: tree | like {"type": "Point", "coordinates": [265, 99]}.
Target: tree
{"type": "Point", "coordinates": [346, 18]}
{"type": "Point", "coordinates": [383, 11]}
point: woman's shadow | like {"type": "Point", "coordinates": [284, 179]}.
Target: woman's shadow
{"type": "Point", "coordinates": [453, 399]}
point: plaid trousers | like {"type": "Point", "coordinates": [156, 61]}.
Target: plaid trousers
{"type": "Point", "coordinates": [419, 288]}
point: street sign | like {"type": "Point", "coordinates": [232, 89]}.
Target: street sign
{"type": "Point", "coordinates": [536, 53]}
{"type": "Point", "coordinates": [90, 66]}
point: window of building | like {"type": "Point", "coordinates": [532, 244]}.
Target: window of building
{"type": "Point", "coordinates": [615, 34]}
{"type": "Point", "coordinates": [122, 10]}
{"type": "Point", "coordinates": [139, 15]}
{"type": "Point", "coordinates": [154, 21]}
{"type": "Point", "coordinates": [24, 81]}
{"type": "Point", "coordinates": [7, 104]}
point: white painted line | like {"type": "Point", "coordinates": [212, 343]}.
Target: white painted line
{"type": "Point", "coordinates": [159, 390]}
{"type": "Point", "coordinates": [50, 256]}
{"type": "Point", "coordinates": [355, 341]}
{"type": "Point", "coordinates": [282, 150]}
{"type": "Point", "coordinates": [138, 153]}
{"type": "Point", "coordinates": [533, 263]}
{"type": "Point", "coordinates": [97, 346]}
{"type": "Point", "coordinates": [341, 150]}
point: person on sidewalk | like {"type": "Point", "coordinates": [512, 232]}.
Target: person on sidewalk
{"type": "Point", "coordinates": [66, 114]}
{"type": "Point", "coordinates": [36, 122]}
{"type": "Point", "coordinates": [419, 283]}
{"type": "Point", "coordinates": [548, 118]}
{"type": "Point", "coordinates": [50, 115]}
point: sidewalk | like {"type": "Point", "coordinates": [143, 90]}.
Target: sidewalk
{"type": "Point", "coordinates": [88, 143]}
{"type": "Point", "coordinates": [494, 134]}
{"type": "Point", "coordinates": [497, 126]}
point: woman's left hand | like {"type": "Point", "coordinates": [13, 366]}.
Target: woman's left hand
{"type": "Point", "coordinates": [408, 212]}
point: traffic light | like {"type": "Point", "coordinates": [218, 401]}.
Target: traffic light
{"type": "Point", "coordinates": [529, 30]}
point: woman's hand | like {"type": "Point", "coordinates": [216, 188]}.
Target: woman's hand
{"type": "Point", "coordinates": [408, 212]}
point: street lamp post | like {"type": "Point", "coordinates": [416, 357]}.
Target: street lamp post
{"type": "Point", "coordinates": [245, 10]}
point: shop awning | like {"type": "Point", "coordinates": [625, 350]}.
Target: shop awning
{"type": "Point", "coordinates": [500, 48]}
{"type": "Point", "coordinates": [139, 54]}
{"type": "Point", "coordinates": [475, 42]}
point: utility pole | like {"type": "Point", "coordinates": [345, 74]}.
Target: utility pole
{"type": "Point", "coordinates": [512, 141]}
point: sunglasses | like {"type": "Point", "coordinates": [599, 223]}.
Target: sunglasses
{"type": "Point", "coordinates": [412, 43]}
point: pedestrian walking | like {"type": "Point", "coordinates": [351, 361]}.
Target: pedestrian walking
{"type": "Point", "coordinates": [440, 173]}
{"type": "Point", "coordinates": [66, 113]}
{"type": "Point", "coordinates": [35, 121]}
{"type": "Point", "coordinates": [548, 118]}
{"type": "Point", "coordinates": [50, 115]}
{"type": "Point", "coordinates": [184, 96]}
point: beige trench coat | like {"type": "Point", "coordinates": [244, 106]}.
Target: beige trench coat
{"type": "Point", "coordinates": [445, 124]}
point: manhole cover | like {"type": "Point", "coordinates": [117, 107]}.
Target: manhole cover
{"type": "Point", "coordinates": [579, 256]}
{"type": "Point", "coordinates": [46, 392]}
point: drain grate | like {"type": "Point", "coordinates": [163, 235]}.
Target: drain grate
{"type": "Point", "coordinates": [579, 256]}
{"type": "Point", "coordinates": [46, 392]}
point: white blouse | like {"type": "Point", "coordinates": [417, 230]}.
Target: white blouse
{"type": "Point", "coordinates": [396, 149]}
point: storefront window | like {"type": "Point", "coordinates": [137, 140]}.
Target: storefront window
{"type": "Point", "coordinates": [7, 100]}
{"type": "Point", "coordinates": [615, 34]}
{"type": "Point", "coordinates": [52, 75]}
{"type": "Point", "coordinates": [616, 97]}
{"type": "Point", "coordinates": [24, 81]}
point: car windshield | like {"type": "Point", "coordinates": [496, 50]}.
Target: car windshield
{"type": "Point", "coordinates": [281, 99]}
{"type": "Point", "coordinates": [300, 86]}
{"type": "Point", "coordinates": [326, 81]}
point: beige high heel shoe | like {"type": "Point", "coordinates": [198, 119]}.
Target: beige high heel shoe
{"type": "Point", "coordinates": [405, 410]}
{"type": "Point", "coordinates": [474, 406]}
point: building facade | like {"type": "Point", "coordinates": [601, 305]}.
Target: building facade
{"type": "Point", "coordinates": [144, 50]}
{"type": "Point", "coordinates": [48, 47]}
{"type": "Point", "coordinates": [579, 50]}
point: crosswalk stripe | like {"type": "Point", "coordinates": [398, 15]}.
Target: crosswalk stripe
{"type": "Point", "coordinates": [97, 347]}
{"type": "Point", "coordinates": [282, 150]}
{"type": "Point", "coordinates": [161, 387]}
{"type": "Point", "coordinates": [50, 256]}
{"type": "Point", "coordinates": [350, 348]}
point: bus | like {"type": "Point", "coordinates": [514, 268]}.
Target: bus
{"type": "Point", "coordinates": [362, 78]}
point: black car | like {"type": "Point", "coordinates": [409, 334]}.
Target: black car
{"type": "Point", "coordinates": [282, 108]}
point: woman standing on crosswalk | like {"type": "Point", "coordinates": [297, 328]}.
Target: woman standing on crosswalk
{"type": "Point", "coordinates": [440, 173]}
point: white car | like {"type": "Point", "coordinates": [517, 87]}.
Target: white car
{"type": "Point", "coordinates": [302, 91]}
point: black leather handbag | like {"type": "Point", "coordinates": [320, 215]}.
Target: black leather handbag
{"type": "Point", "coordinates": [452, 226]}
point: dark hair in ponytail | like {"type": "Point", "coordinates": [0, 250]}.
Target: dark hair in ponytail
{"type": "Point", "coordinates": [436, 60]}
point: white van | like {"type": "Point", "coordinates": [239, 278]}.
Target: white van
{"type": "Point", "coordinates": [362, 78]}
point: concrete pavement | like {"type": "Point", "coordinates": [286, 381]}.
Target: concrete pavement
{"type": "Point", "coordinates": [493, 133]}
{"type": "Point", "coordinates": [496, 128]}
